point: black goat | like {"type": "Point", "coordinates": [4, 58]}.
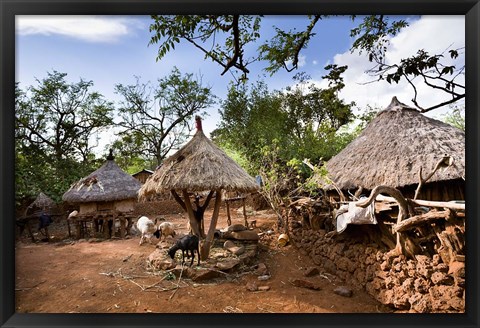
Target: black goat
{"type": "Point", "coordinates": [186, 243]}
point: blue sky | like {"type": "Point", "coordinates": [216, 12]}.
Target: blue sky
{"type": "Point", "coordinates": [114, 49]}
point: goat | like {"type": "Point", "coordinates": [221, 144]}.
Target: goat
{"type": "Point", "coordinates": [165, 229]}
{"type": "Point", "coordinates": [186, 243]}
{"type": "Point", "coordinates": [147, 228]}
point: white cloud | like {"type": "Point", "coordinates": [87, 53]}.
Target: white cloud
{"type": "Point", "coordinates": [86, 28]}
{"type": "Point", "coordinates": [432, 33]}
{"type": "Point", "coordinates": [302, 60]}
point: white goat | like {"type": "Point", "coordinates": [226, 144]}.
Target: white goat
{"type": "Point", "coordinates": [147, 228]}
{"type": "Point", "coordinates": [166, 229]}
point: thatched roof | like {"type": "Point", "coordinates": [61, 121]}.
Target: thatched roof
{"type": "Point", "coordinates": [108, 183]}
{"type": "Point", "coordinates": [42, 201]}
{"type": "Point", "coordinates": [394, 146]}
{"type": "Point", "coordinates": [198, 166]}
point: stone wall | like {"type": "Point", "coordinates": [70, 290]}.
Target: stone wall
{"type": "Point", "coordinates": [422, 285]}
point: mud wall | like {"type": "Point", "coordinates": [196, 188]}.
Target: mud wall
{"type": "Point", "coordinates": [420, 285]}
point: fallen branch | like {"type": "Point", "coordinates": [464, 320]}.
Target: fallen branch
{"type": "Point", "coordinates": [428, 203]}
{"type": "Point", "coordinates": [418, 220]}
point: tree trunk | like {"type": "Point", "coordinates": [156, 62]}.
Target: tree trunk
{"type": "Point", "coordinates": [205, 247]}
{"type": "Point", "coordinates": [191, 216]}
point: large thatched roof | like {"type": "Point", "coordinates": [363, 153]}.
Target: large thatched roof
{"type": "Point", "coordinates": [108, 183]}
{"type": "Point", "coordinates": [198, 166]}
{"type": "Point", "coordinates": [394, 146]}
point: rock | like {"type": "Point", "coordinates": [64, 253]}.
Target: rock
{"type": "Point", "coordinates": [310, 272]}
{"type": "Point", "coordinates": [234, 249]}
{"type": "Point", "coordinates": [202, 274]}
{"type": "Point", "coordinates": [241, 235]}
{"type": "Point", "coordinates": [264, 288]}
{"type": "Point", "coordinates": [457, 269]}
{"type": "Point", "coordinates": [330, 266]}
{"type": "Point", "coordinates": [421, 285]}
{"type": "Point", "coordinates": [304, 284]}
{"type": "Point", "coordinates": [161, 261]}
{"type": "Point", "coordinates": [440, 278]}
{"type": "Point", "coordinates": [252, 286]}
{"type": "Point", "coordinates": [264, 277]}
{"type": "Point", "coordinates": [236, 227]}
{"type": "Point", "coordinates": [343, 291]}
{"type": "Point", "coordinates": [260, 269]}
{"type": "Point", "coordinates": [227, 265]}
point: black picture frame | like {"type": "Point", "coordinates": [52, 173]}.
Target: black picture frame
{"type": "Point", "coordinates": [10, 8]}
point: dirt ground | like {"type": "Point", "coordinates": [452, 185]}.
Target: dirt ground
{"type": "Point", "coordinates": [112, 276]}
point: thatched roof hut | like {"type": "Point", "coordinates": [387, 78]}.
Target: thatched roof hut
{"type": "Point", "coordinates": [199, 166]}
{"type": "Point", "coordinates": [395, 146]}
{"type": "Point", "coordinates": [108, 183]}
{"type": "Point", "coordinates": [42, 202]}
{"type": "Point", "coordinates": [106, 194]}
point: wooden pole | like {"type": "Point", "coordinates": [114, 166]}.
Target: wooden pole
{"type": "Point", "coordinates": [229, 220]}
{"type": "Point", "coordinates": [191, 216]}
{"type": "Point", "coordinates": [205, 247]}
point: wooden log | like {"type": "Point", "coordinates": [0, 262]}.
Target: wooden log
{"type": "Point", "coordinates": [229, 219]}
{"type": "Point", "coordinates": [418, 220]}
{"type": "Point", "coordinates": [244, 212]}
{"type": "Point", "coordinates": [122, 227]}
{"type": "Point", "coordinates": [428, 203]}
{"type": "Point", "coordinates": [205, 247]}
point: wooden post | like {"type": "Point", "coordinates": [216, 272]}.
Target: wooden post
{"type": "Point", "coordinates": [229, 220]}
{"type": "Point", "coordinates": [106, 231]}
{"type": "Point", "coordinates": [245, 212]}
{"type": "Point", "coordinates": [191, 216]}
{"type": "Point", "coordinates": [29, 229]}
{"type": "Point", "coordinates": [122, 227]}
{"type": "Point", "coordinates": [69, 231]}
{"type": "Point", "coordinates": [205, 247]}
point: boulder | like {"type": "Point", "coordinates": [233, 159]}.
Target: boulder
{"type": "Point", "coordinates": [304, 284]}
{"type": "Point", "coordinates": [241, 235]}
{"type": "Point", "coordinates": [234, 249]}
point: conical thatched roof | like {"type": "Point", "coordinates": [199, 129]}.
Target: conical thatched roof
{"type": "Point", "coordinates": [394, 146]}
{"type": "Point", "coordinates": [42, 201]}
{"type": "Point", "coordinates": [108, 183]}
{"type": "Point", "coordinates": [198, 166]}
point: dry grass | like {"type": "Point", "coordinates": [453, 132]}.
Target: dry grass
{"type": "Point", "coordinates": [198, 166]}
{"type": "Point", "coordinates": [394, 146]}
{"type": "Point", "coordinates": [108, 183]}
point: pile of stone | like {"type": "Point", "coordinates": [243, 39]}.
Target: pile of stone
{"type": "Point", "coordinates": [420, 285]}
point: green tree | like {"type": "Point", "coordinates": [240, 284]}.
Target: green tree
{"type": "Point", "coordinates": [456, 117]}
{"type": "Point", "coordinates": [232, 41]}
{"type": "Point", "coordinates": [55, 123]}
{"type": "Point", "coordinates": [301, 121]}
{"type": "Point", "coordinates": [157, 119]}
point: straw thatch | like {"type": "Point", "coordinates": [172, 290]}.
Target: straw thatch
{"type": "Point", "coordinates": [394, 146]}
{"type": "Point", "coordinates": [42, 201]}
{"type": "Point", "coordinates": [198, 166]}
{"type": "Point", "coordinates": [108, 183]}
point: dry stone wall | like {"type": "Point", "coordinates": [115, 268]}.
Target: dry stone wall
{"type": "Point", "coordinates": [420, 285]}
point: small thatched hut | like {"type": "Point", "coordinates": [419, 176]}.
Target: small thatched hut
{"type": "Point", "coordinates": [41, 203]}
{"type": "Point", "coordinates": [106, 194]}
{"type": "Point", "coordinates": [197, 167]}
{"type": "Point", "coordinates": [396, 147]}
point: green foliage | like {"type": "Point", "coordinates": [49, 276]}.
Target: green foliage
{"type": "Point", "coordinates": [158, 119]}
{"type": "Point", "coordinates": [54, 125]}
{"type": "Point", "coordinates": [456, 117]}
{"type": "Point", "coordinates": [228, 39]}
{"type": "Point", "coordinates": [301, 121]}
